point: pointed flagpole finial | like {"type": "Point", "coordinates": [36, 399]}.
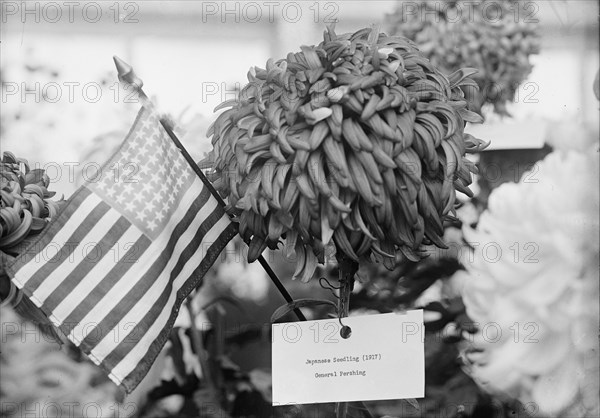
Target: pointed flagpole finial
{"type": "Point", "coordinates": [126, 73]}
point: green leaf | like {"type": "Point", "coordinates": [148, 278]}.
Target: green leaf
{"type": "Point", "coordinates": [300, 303]}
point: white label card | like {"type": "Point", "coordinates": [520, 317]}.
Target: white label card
{"type": "Point", "coordinates": [384, 358]}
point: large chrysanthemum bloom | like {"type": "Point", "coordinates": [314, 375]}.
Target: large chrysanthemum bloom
{"type": "Point", "coordinates": [495, 36]}
{"type": "Point", "coordinates": [26, 208]}
{"type": "Point", "coordinates": [532, 287]}
{"type": "Point", "coordinates": [357, 141]}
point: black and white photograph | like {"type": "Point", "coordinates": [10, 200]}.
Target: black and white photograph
{"type": "Point", "coordinates": [300, 209]}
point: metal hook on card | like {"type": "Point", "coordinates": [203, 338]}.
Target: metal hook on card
{"type": "Point", "coordinates": [329, 286]}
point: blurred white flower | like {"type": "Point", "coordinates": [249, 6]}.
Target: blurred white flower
{"type": "Point", "coordinates": [532, 285]}
{"type": "Point", "coordinates": [244, 280]}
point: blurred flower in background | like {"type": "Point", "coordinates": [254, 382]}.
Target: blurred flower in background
{"type": "Point", "coordinates": [246, 281]}
{"type": "Point", "coordinates": [532, 287]}
{"type": "Point", "coordinates": [496, 37]}
{"type": "Point", "coordinates": [39, 379]}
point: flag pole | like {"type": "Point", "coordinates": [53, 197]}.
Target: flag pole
{"type": "Point", "coordinates": [127, 76]}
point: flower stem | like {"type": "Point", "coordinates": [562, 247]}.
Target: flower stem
{"type": "Point", "coordinates": [347, 269]}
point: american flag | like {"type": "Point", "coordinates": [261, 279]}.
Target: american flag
{"type": "Point", "coordinates": [112, 270]}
